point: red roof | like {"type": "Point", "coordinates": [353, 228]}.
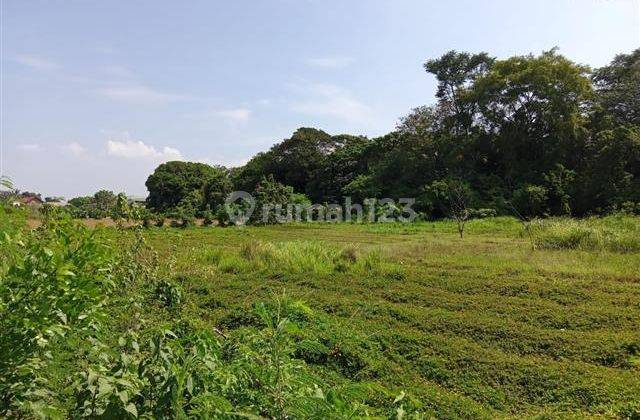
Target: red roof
{"type": "Point", "coordinates": [30, 200]}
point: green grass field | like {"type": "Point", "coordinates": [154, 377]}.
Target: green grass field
{"type": "Point", "coordinates": [480, 327]}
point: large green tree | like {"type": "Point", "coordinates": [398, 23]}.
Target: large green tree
{"type": "Point", "coordinates": [216, 190]}
{"type": "Point", "coordinates": [338, 168]}
{"type": "Point", "coordinates": [456, 72]}
{"type": "Point", "coordinates": [172, 182]}
{"type": "Point", "coordinates": [618, 86]}
{"type": "Point", "coordinates": [104, 200]}
{"type": "Point", "coordinates": [291, 162]}
{"type": "Point", "coordinates": [534, 108]}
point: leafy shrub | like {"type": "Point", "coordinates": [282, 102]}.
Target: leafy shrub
{"type": "Point", "coordinates": [482, 213]}
{"type": "Point", "coordinates": [268, 193]}
{"type": "Point", "coordinates": [530, 200]}
{"type": "Point", "coordinates": [147, 219]}
{"type": "Point", "coordinates": [222, 217]}
{"type": "Point", "coordinates": [168, 293]}
{"type": "Point", "coordinates": [388, 212]}
{"type": "Point", "coordinates": [207, 218]}
{"type": "Point", "coordinates": [187, 220]}
{"type": "Point", "coordinates": [52, 294]}
{"type": "Point", "coordinates": [627, 207]}
{"type": "Point", "coordinates": [12, 219]}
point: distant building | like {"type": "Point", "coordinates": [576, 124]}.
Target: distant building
{"type": "Point", "coordinates": [137, 200]}
{"type": "Point", "coordinates": [56, 201]}
{"type": "Point", "coordinates": [29, 200]}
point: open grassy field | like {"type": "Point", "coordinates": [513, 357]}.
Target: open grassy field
{"type": "Point", "coordinates": [481, 327]}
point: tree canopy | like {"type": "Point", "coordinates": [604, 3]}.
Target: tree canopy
{"type": "Point", "coordinates": [172, 182]}
{"type": "Point", "coordinates": [535, 134]}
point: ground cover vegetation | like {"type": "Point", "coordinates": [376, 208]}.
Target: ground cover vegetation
{"type": "Point", "coordinates": [314, 320]}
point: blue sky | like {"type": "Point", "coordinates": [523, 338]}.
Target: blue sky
{"type": "Point", "coordinates": [95, 94]}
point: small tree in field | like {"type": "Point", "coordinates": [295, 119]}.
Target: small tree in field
{"type": "Point", "coordinates": [459, 196]}
{"type": "Point", "coordinates": [121, 211]}
{"type": "Point", "coordinates": [452, 196]}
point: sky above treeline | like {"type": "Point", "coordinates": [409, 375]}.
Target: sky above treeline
{"type": "Point", "coordinates": [96, 94]}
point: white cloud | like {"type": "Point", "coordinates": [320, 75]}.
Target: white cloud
{"type": "Point", "coordinates": [131, 149]}
{"type": "Point", "coordinates": [235, 116]}
{"type": "Point", "coordinates": [35, 62]}
{"type": "Point", "coordinates": [329, 62]}
{"type": "Point", "coordinates": [29, 147]}
{"type": "Point", "coordinates": [331, 101]}
{"type": "Point", "coordinates": [75, 149]}
{"type": "Point", "coordinates": [137, 94]}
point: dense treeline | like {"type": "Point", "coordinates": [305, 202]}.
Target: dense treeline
{"type": "Point", "coordinates": [538, 135]}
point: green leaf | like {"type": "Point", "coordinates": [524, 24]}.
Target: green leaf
{"type": "Point", "coordinates": [131, 409]}
{"type": "Point", "coordinates": [124, 396]}
{"type": "Point", "coordinates": [104, 387]}
{"type": "Point", "coordinates": [400, 397]}
{"type": "Point", "coordinates": [62, 316]}
{"type": "Point", "coordinates": [190, 384]}
{"type": "Point", "coordinates": [317, 393]}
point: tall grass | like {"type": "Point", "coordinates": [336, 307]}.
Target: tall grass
{"type": "Point", "coordinates": [296, 258]}
{"type": "Point", "coordinates": [613, 233]}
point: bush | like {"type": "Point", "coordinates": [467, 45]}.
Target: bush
{"type": "Point", "coordinates": [267, 193]}
{"type": "Point", "coordinates": [145, 215]}
{"type": "Point", "coordinates": [388, 212]}
{"type": "Point", "coordinates": [169, 294]}
{"type": "Point", "coordinates": [207, 218]}
{"type": "Point", "coordinates": [222, 216]}
{"type": "Point", "coordinates": [530, 200]}
{"type": "Point", "coordinates": [51, 298]}
{"type": "Point", "coordinates": [183, 218]}
{"type": "Point", "coordinates": [628, 207]}
{"type": "Point", "coordinates": [482, 213]}
{"type": "Point", "coordinates": [187, 220]}
{"type": "Point", "coordinates": [147, 221]}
